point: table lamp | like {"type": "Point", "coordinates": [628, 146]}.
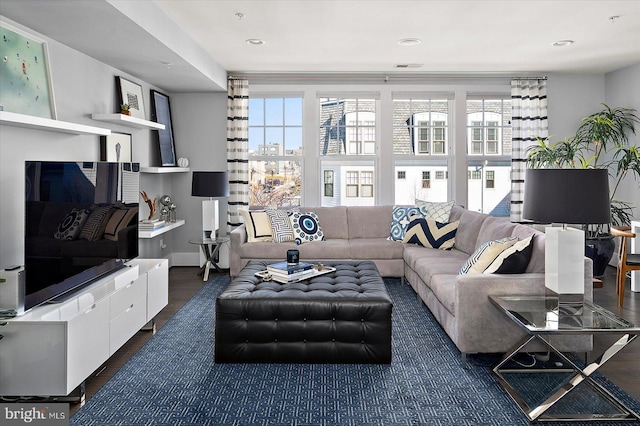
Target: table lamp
{"type": "Point", "coordinates": [566, 196]}
{"type": "Point", "coordinates": [210, 184]}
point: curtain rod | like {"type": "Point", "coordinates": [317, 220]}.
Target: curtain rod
{"type": "Point", "coordinates": [372, 77]}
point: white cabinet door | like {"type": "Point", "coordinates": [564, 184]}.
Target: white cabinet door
{"type": "Point", "coordinates": [157, 288]}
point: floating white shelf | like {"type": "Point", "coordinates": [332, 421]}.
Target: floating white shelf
{"type": "Point", "coordinates": [39, 123]}
{"type": "Point", "coordinates": [156, 232]}
{"type": "Point", "coordinates": [166, 169]}
{"type": "Point", "coordinates": [127, 120]}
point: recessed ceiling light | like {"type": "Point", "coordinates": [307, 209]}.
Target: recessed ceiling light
{"type": "Point", "coordinates": [409, 41]}
{"type": "Point", "coordinates": [562, 43]}
{"type": "Point", "coordinates": [255, 41]}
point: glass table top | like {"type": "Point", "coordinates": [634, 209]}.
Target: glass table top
{"type": "Point", "coordinates": [544, 314]}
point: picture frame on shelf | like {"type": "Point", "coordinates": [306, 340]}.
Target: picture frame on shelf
{"type": "Point", "coordinates": [130, 93]}
{"type": "Point", "coordinates": [161, 113]}
{"type": "Point", "coordinates": [25, 82]}
{"type": "Point", "coordinates": [116, 147]}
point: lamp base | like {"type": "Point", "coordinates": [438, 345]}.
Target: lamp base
{"type": "Point", "coordinates": [564, 262]}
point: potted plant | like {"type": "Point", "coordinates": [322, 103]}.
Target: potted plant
{"type": "Point", "coordinates": [124, 109]}
{"type": "Point", "coordinates": [601, 141]}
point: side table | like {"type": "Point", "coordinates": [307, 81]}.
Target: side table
{"type": "Point", "coordinates": [559, 389]}
{"type": "Point", "coordinates": [210, 248]}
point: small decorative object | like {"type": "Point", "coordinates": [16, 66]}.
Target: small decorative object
{"type": "Point", "coordinates": [161, 113]}
{"type": "Point", "coordinates": [172, 212]}
{"type": "Point", "coordinates": [165, 200]}
{"type": "Point", "coordinates": [116, 147]}
{"type": "Point", "coordinates": [183, 162]}
{"type": "Point", "coordinates": [293, 257]}
{"type": "Point", "coordinates": [153, 205]}
{"type": "Point", "coordinates": [124, 109]}
{"type": "Point", "coordinates": [130, 93]}
{"type": "Point", "coordinates": [319, 267]}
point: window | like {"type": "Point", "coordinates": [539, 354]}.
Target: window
{"type": "Point", "coordinates": [328, 183]}
{"type": "Point", "coordinates": [440, 174]}
{"type": "Point", "coordinates": [402, 174]}
{"type": "Point", "coordinates": [275, 150]}
{"type": "Point", "coordinates": [366, 184]}
{"type": "Point", "coordinates": [490, 178]}
{"type": "Point", "coordinates": [426, 179]}
{"type": "Point", "coordinates": [352, 184]}
{"type": "Point", "coordinates": [347, 126]}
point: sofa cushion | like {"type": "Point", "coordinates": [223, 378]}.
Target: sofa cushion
{"type": "Point", "coordinates": [430, 233]}
{"type": "Point", "coordinates": [369, 221]}
{"type": "Point", "coordinates": [335, 248]}
{"type": "Point", "coordinates": [375, 248]}
{"type": "Point", "coordinates": [443, 287]}
{"type": "Point", "coordinates": [484, 256]}
{"type": "Point", "coordinates": [70, 227]}
{"type": "Point", "coordinates": [281, 228]}
{"type": "Point", "coordinates": [447, 265]}
{"type": "Point", "coordinates": [513, 260]}
{"type": "Point", "coordinates": [306, 227]}
{"type": "Point", "coordinates": [257, 225]}
{"type": "Point", "coordinates": [413, 252]}
{"type": "Point", "coordinates": [333, 219]}
{"type": "Point", "coordinates": [467, 235]}
{"type": "Point", "coordinates": [494, 228]}
{"type": "Point", "coordinates": [435, 211]}
{"type": "Point", "coordinates": [266, 250]}
{"type": "Point", "coordinates": [400, 219]}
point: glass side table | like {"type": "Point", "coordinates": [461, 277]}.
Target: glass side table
{"type": "Point", "coordinates": [559, 389]}
{"type": "Point", "coordinates": [210, 249]}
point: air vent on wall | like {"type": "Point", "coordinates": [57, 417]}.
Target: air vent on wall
{"type": "Point", "coordinates": [409, 66]}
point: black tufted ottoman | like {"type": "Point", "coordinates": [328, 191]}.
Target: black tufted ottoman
{"type": "Point", "coordinates": [340, 317]}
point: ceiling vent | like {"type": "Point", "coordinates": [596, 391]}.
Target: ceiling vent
{"type": "Point", "coordinates": [409, 66]}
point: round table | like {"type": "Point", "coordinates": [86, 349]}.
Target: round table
{"type": "Point", "coordinates": [210, 248]}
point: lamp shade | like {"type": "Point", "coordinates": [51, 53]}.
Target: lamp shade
{"type": "Point", "coordinates": [210, 184]}
{"type": "Point", "coordinates": [570, 196]}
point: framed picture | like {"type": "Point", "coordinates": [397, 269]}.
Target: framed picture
{"type": "Point", "coordinates": [161, 113]}
{"type": "Point", "coordinates": [116, 147]}
{"type": "Point", "coordinates": [130, 93]}
{"type": "Point", "coordinates": [25, 80]}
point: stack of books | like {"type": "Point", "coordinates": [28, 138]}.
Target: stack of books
{"type": "Point", "coordinates": [287, 272]}
{"type": "Point", "coordinates": [151, 225]}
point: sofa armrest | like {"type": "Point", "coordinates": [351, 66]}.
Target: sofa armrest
{"type": "Point", "coordinates": [238, 236]}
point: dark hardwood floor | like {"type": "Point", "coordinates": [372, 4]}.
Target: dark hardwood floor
{"type": "Point", "coordinates": [623, 369]}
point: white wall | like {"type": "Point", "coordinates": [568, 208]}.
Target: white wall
{"type": "Point", "coordinates": [622, 89]}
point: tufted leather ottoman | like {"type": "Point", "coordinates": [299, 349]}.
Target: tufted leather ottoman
{"type": "Point", "coordinates": [340, 317]}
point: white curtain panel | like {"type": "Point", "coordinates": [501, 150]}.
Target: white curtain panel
{"type": "Point", "coordinates": [529, 120]}
{"type": "Point", "coordinates": [237, 149]}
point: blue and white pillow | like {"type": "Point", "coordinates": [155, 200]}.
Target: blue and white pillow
{"type": "Point", "coordinates": [306, 227]}
{"type": "Point", "coordinates": [430, 233]}
{"type": "Point", "coordinates": [400, 220]}
{"type": "Point", "coordinates": [437, 211]}
{"type": "Point", "coordinates": [281, 228]}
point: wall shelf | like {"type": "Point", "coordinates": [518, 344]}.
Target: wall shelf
{"type": "Point", "coordinates": [156, 232]}
{"type": "Point", "coordinates": [166, 169]}
{"type": "Point", "coordinates": [39, 123]}
{"type": "Point", "coordinates": [129, 121]}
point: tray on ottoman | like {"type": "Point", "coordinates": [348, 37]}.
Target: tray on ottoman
{"type": "Point", "coordinates": [340, 317]}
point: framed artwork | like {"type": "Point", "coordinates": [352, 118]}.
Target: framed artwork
{"type": "Point", "coordinates": [130, 93]}
{"type": "Point", "coordinates": [25, 79]}
{"type": "Point", "coordinates": [161, 113]}
{"type": "Point", "coordinates": [116, 147]}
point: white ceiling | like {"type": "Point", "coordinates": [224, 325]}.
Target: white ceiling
{"type": "Point", "coordinates": [204, 38]}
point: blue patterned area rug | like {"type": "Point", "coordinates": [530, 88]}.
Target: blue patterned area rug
{"type": "Point", "coordinates": [173, 380]}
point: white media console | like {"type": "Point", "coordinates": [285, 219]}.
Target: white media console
{"type": "Point", "coordinates": [53, 348]}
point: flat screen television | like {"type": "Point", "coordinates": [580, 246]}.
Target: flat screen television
{"type": "Point", "coordinates": [81, 223]}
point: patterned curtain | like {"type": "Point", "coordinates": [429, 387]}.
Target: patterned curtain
{"type": "Point", "coordinates": [237, 149]}
{"type": "Point", "coordinates": [529, 120]}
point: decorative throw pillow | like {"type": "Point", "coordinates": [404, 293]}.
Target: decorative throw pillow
{"type": "Point", "coordinates": [257, 224]}
{"type": "Point", "coordinates": [71, 226]}
{"type": "Point", "coordinates": [430, 233]}
{"type": "Point", "coordinates": [436, 211]}
{"type": "Point", "coordinates": [120, 218]}
{"type": "Point", "coordinates": [485, 255]}
{"type": "Point", "coordinates": [513, 260]}
{"type": "Point", "coordinates": [306, 227]}
{"type": "Point", "coordinates": [281, 228]}
{"type": "Point", "coordinates": [93, 228]}
{"type": "Point", "coordinates": [400, 221]}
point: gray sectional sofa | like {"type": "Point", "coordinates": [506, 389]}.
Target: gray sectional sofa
{"type": "Point", "coordinates": [460, 303]}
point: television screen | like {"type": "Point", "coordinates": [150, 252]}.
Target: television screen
{"type": "Point", "coordinates": [81, 223]}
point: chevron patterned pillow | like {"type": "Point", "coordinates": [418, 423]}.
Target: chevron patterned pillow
{"type": "Point", "coordinates": [430, 233]}
{"type": "Point", "coordinates": [485, 255]}
{"type": "Point", "coordinates": [281, 228]}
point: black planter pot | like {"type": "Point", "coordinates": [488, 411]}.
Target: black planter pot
{"type": "Point", "coordinates": [600, 250]}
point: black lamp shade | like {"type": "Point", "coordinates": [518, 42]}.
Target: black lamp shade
{"type": "Point", "coordinates": [570, 196]}
{"type": "Point", "coordinates": [210, 184]}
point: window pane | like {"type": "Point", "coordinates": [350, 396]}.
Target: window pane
{"type": "Point", "coordinates": [256, 112]}
{"type": "Point", "coordinates": [256, 139]}
{"type": "Point", "coordinates": [418, 122]}
{"type": "Point", "coordinates": [293, 111]}
{"type": "Point", "coordinates": [274, 183]}
{"type": "Point", "coordinates": [492, 197]}
{"type": "Point", "coordinates": [410, 188]}
{"type": "Point", "coordinates": [293, 140]}
{"type": "Point", "coordinates": [274, 111]}
{"type": "Point", "coordinates": [353, 183]}
{"type": "Point", "coordinates": [347, 126]}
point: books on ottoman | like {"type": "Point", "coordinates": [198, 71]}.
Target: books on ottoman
{"type": "Point", "coordinates": [285, 269]}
